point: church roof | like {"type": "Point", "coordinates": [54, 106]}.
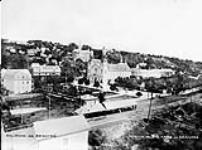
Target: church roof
{"type": "Point", "coordinates": [120, 67]}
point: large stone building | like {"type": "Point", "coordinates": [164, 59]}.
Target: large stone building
{"type": "Point", "coordinates": [155, 73]}
{"type": "Point", "coordinates": [103, 72]}
{"type": "Point", "coordinates": [16, 80]}
{"type": "Point", "coordinates": [45, 70]}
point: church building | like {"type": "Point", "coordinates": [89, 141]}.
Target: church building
{"type": "Point", "coordinates": [103, 72]}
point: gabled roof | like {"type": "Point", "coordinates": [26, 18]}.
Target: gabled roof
{"type": "Point", "coordinates": [22, 111]}
{"type": "Point", "coordinates": [121, 67]}
{"type": "Point", "coordinates": [62, 126]}
{"type": "Point", "coordinates": [11, 73]}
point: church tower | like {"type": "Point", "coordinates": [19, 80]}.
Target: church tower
{"type": "Point", "coordinates": [104, 69]}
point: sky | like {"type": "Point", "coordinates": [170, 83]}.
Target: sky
{"type": "Point", "coordinates": [162, 27]}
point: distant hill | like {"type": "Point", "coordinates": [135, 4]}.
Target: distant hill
{"type": "Point", "coordinates": [155, 61]}
{"type": "Point", "coordinates": [58, 51]}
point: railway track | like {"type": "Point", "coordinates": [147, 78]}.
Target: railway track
{"type": "Point", "coordinates": [142, 110]}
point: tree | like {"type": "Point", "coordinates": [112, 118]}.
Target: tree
{"type": "Point", "coordinates": [178, 85]}
{"type": "Point", "coordinates": [113, 87]}
{"type": "Point", "coordinates": [130, 83]}
{"type": "Point", "coordinates": [68, 69]}
{"type": "Point", "coordinates": [139, 94]}
{"type": "Point", "coordinates": [96, 137]}
{"type": "Point", "coordinates": [96, 84]}
{"type": "Point", "coordinates": [81, 81]}
{"type": "Point", "coordinates": [73, 91]}
{"type": "Point", "coordinates": [87, 82]}
{"type": "Point", "coordinates": [101, 98]}
{"type": "Point", "coordinates": [81, 67]}
{"type": "Point", "coordinates": [69, 79]}
{"type": "Point", "coordinates": [113, 57]}
{"type": "Point", "coordinates": [15, 61]}
{"type": "Point", "coordinates": [86, 47]}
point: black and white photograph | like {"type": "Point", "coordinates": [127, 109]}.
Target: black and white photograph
{"type": "Point", "coordinates": [101, 74]}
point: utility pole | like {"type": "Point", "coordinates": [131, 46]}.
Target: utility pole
{"type": "Point", "coordinates": [151, 83]}
{"type": "Point", "coordinates": [65, 78]}
{"type": "Point", "coordinates": [49, 103]}
{"type": "Point", "coordinates": [150, 104]}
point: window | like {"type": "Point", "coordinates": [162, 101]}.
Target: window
{"type": "Point", "coordinates": [96, 70]}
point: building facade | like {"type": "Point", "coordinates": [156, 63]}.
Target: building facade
{"type": "Point", "coordinates": [95, 69]}
{"type": "Point", "coordinates": [103, 72]}
{"type": "Point", "coordinates": [84, 55]}
{"type": "Point", "coordinates": [45, 70]}
{"type": "Point", "coordinates": [155, 73]}
{"type": "Point", "coordinates": [68, 133]}
{"type": "Point", "coordinates": [17, 80]}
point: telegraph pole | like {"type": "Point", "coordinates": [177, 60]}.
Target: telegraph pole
{"type": "Point", "coordinates": [49, 103]}
{"type": "Point", "coordinates": [150, 103]}
{"type": "Point", "coordinates": [151, 83]}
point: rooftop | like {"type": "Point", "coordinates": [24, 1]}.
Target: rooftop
{"type": "Point", "coordinates": [61, 126]}
{"type": "Point", "coordinates": [11, 73]}
{"type": "Point", "coordinates": [121, 67]}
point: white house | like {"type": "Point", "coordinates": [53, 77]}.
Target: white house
{"type": "Point", "coordinates": [45, 70]}
{"type": "Point", "coordinates": [32, 52]}
{"type": "Point", "coordinates": [17, 80]}
{"type": "Point", "coordinates": [69, 133]}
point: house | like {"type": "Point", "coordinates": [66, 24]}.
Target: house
{"type": "Point", "coordinates": [45, 70]}
{"type": "Point", "coordinates": [22, 52]}
{"type": "Point", "coordinates": [13, 51]}
{"type": "Point", "coordinates": [141, 65]}
{"type": "Point", "coordinates": [43, 55]}
{"type": "Point", "coordinates": [84, 55]}
{"type": "Point", "coordinates": [54, 61]}
{"type": "Point", "coordinates": [104, 72]}
{"type": "Point", "coordinates": [17, 80]}
{"type": "Point", "coordinates": [69, 133]}
{"type": "Point", "coordinates": [32, 52]}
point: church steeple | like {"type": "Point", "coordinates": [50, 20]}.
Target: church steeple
{"type": "Point", "coordinates": [121, 57]}
{"type": "Point", "coordinates": [104, 68]}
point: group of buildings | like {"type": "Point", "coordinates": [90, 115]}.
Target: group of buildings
{"type": "Point", "coordinates": [18, 81]}
{"type": "Point", "coordinates": [62, 133]}
{"type": "Point", "coordinates": [104, 72]}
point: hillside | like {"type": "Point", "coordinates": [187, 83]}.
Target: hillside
{"type": "Point", "coordinates": [18, 58]}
